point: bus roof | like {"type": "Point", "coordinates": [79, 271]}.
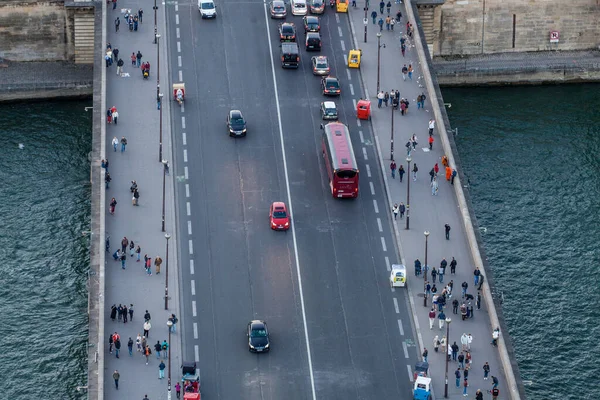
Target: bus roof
{"type": "Point", "coordinates": [340, 146]}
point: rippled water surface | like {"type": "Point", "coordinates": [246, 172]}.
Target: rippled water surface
{"type": "Point", "coordinates": [44, 204]}
{"type": "Point", "coordinates": [532, 156]}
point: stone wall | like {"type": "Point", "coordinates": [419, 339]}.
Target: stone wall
{"type": "Point", "coordinates": [35, 31]}
{"type": "Point", "coordinates": [470, 27]}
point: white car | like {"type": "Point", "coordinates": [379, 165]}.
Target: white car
{"type": "Point", "coordinates": [299, 7]}
{"type": "Point", "coordinates": [398, 276]}
{"type": "Point", "coordinates": [207, 9]}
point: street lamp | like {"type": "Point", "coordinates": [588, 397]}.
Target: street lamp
{"type": "Point", "coordinates": [426, 233]}
{"type": "Point", "coordinates": [165, 164]}
{"type": "Point", "coordinates": [365, 20]}
{"type": "Point", "coordinates": [379, 46]}
{"type": "Point", "coordinates": [448, 320]}
{"type": "Point", "coordinates": [159, 99]}
{"type": "Point", "coordinates": [408, 159]}
{"type": "Point", "coordinates": [167, 236]}
{"type": "Point", "coordinates": [155, 8]}
{"type": "Point", "coordinates": [169, 324]}
{"type": "Point", "coordinates": [392, 140]}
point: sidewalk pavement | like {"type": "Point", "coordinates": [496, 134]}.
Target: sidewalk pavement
{"type": "Point", "coordinates": [135, 99]}
{"type": "Point", "coordinates": [427, 212]}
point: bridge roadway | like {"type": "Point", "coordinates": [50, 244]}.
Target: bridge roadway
{"type": "Point", "coordinates": [234, 268]}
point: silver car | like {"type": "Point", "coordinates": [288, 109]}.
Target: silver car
{"type": "Point", "coordinates": [278, 9]}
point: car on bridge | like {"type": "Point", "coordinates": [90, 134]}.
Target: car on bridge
{"type": "Point", "coordinates": [279, 218]}
{"type": "Point", "coordinates": [311, 24]}
{"type": "Point", "coordinates": [287, 32]}
{"type": "Point", "coordinates": [236, 124]}
{"type": "Point", "coordinates": [330, 86]}
{"type": "Point", "coordinates": [320, 65]}
{"type": "Point", "coordinates": [329, 111]}
{"type": "Point", "coordinates": [317, 6]}
{"type": "Point", "coordinates": [277, 9]}
{"type": "Point", "coordinates": [258, 337]}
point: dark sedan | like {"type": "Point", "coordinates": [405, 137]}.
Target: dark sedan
{"type": "Point", "coordinates": [236, 124]}
{"type": "Point", "coordinates": [311, 24]}
{"type": "Point", "coordinates": [258, 337]}
{"type": "Point", "coordinates": [287, 32]}
{"type": "Point", "coordinates": [330, 86]}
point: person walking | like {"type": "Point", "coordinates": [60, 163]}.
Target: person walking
{"type": "Point", "coordinates": [123, 144]}
{"type": "Point", "coordinates": [165, 348]}
{"type": "Point", "coordinates": [393, 169]}
{"type": "Point", "coordinates": [107, 179]}
{"type": "Point", "coordinates": [135, 198]}
{"type": "Point", "coordinates": [395, 211]}
{"type": "Point", "coordinates": [374, 16]}
{"type": "Point", "coordinates": [479, 395]}
{"type": "Point", "coordinates": [148, 264]}
{"type": "Point", "coordinates": [138, 252]}
{"type": "Point", "coordinates": [415, 170]}
{"type": "Point", "coordinates": [125, 313]}
{"type": "Point", "coordinates": [389, 7]}
{"type": "Point", "coordinates": [117, 24]}
{"type": "Point", "coordinates": [161, 369]}
{"type": "Point", "coordinates": [147, 327]}
{"type": "Point", "coordinates": [401, 172]}
{"type": "Point", "coordinates": [430, 141]}
{"type": "Point", "coordinates": [478, 300]}
{"type": "Point", "coordinates": [117, 346]}
{"type": "Point", "coordinates": [447, 231]}
{"type": "Point", "coordinates": [410, 71]}
{"type": "Point", "coordinates": [486, 371]}
{"type": "Point", "coordinates": [431, 318]}
{"type": "Point", "coordinates": [461, 360]}
{"type": "Point", "coordinates": [453, 266]}
{"type": "Point", "coordinates": [425, 354]}
{"type": "Point", "coordinates": [441, 319]}
{"type": "Point", "coordinates": [111, 343]}
{"type": "Point", "coordinates": [116, 377]}
{"type": "Point", "coordinates": [464, 341]}
{"type": "Point", "coordinates": [392, 23]}
{"type": "Point", "coordinates": [130, 346]}
{"type": "Point", "coordinates": [380, 23]}
{"type": "Point", "coordinates": [120, 64]}
{"type": "Point", "coordinates": [113, 205]}
{"type": "Point", "coordinates": [388, 20]}
{"type": "Point", "coordinates": [448, 173]}
{"type": "Point", "coordinates": [465, 386]}
{"type": "Point", "coordinates": [138, 59]}
{"type": "Point", "coordinates": [124, 244]}
{"type": "Point", "coordinates": [133, 59]}
{"type": "Point", "coordinates": [434, 186]}
{"type": "Point", "coordinates": [138, 342]}
{"type": "Point", "coordinates": [404, 72]}
{"type": "Point", "coordinates": [495, 393]}
{"type": "Point", "coordinates": [469, 341]}
{"type": "Point", "coordinates": [157, 263]}
{"type": "Point", "coordinates": [115, 143]}
{"type": "Point", "coordinates": [141, 15]}
{"type": "Point", "coordinates": [431, 126]}
{"type": "Point", "coordinates": [455, 306]}
{"type": "Point", "coordinates": [380, 97]}
{"type": "Point", "coordinates": [402, 210]}
{"type": "Point", "coordinates": [476, 275]}
{"type": "Point", "coordinates": [436, 343]}
{"type": "Point", "coordinates": [454, 351]}
{"type": "Point", "coordinates": [381, 6]}
{"type": "Point", "coordinates": [131, 311]}
{"type": "Point", "coordinates": [457, 375]}
{"type": "Point", "coordinates": [147, 353]}
{"type": "Point", "coordinates": [431, 174]}
{"type": "Point", "coordinates": [115, 114]}
{"type": "Point", "coordinates": [178, 390]}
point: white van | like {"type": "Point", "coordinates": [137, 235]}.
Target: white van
{"type": "Point", "coordinates": [207, 9]}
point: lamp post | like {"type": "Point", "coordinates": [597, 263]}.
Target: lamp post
{"type": "Point", "coordinates": [366, 20]}
{"type": "Point", "coordinates": [155, 8]}
{"type": "Point", "coordinates": [408, 159]}
{"type": "Point", "coordinates": [392, 139]}
{"type": "Point", "coordinates": [448, 320]}
{"type": "Point", "coordinates": [167, 236]}
{"type": "Point", "coordinates": [169, 363]}
{"type": "Point", "coordinates": [379, 45]}
{"type": "Point", "coordinates": [159, 100]}
{"type": "Point", "coordinates": [426, 233]}
{"type": "Point", "coordinates": [165, 163]}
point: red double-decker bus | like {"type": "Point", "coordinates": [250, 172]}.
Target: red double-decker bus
{"type": "Point", "coordinates": [339, 160]}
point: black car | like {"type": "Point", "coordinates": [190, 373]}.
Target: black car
{"type": "Point", "coordinates": [258, 337]}
{"type": "Point", "coordinates": [330, 86]}
{"type": "Point", "coordinates": [290, 56]}
{"type": "Point", "coordinates": [311, 23]}
{"type": "Point", "coordinates": [236, 123]}
{"type": "Point", "coordinates": [313, 41]}
{"type": "Point", "coordinates": [287, 32]}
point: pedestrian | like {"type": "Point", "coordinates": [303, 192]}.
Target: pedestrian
{"type": "Point", "coordinates": [401, 172]}
{"type": "Point", "coordinates": [130, 346]}
{"type": "Point", "coordinates": [479, 395]}
{"type": "Point", "coordinates": [131, 311]}
{"type": "Point", "coordinates": [436, 343]}
{"type": "Point", "coordinates": [380, 23]}
{"type": "Point", "coordinates": [423, 98]}
{"type": "Point", "coordinates": [455, 306]}
{"type": "Point", "coordinates": [120, 66]}
{"type": "Point", "coordinates": [433, 274]}
{"type": "Point", "coordinates": [131, 248]}
{"type": "Point", "coordinates": [431, 126]}
{"type": "Point", "coordinates": [425, 354]}
{"type": "Point", "coordinates": [434, 187]}
{"type": "Point", "coordinates": [410, 71]}
{"type": "Point", "coordinates": [138, 58]}
{"type": "Point", "coordinates": [140, 15]}
{"type": "Point", "coordinates": [113, 312]}
{"type": "Point", "coordinates": [374, 16]}
{"type": "Point", "coordinates": [419, 98]}
{"type": "Point", "coordinates": [147, 316]}
{"type": "Point", "coordinates": [114, 4]}
{"type": "Point", "coordinates": [113, 204]}
{"type": "Point", "coordinates": [174, 321]}
{"type": "Point", "coordinates": [404, 72]}
{"type": "Point", "coordinates": [461, 359]}
{"type": "Point", "coordinates": [388, 20]}
{"type": "Point", "coordinates": [465, 385]}
{"type": "Point", "coordinates": [133, 59]}
{"type": "Point", "coordinates": [107, 179]}
{"type": "Point", "coordinates": [469, 341]}
{"type": "Point", "coordinates": [478, 300]}
{"type": "Point", "coordinates": [117, 347]}
{"type": "Point", "coordinates": [386, 98]}
{"type": "Point", "coordinates": [453, 176]}
{"type": "Point", "coordinates": [138, 342]}
{"type": "Point", "coordinates": [415, 170]}
{"type": "Point", "coordinates": [157, 263]}
{"type": "Point", "coordinates": [116, 377]}
{"type": "Point", "coordinates": [165, 348]}
{"type": "Point", "coordinates": [431, 140]}
{"type": "Point", "coordinates": [447, 231]}
{"type": "Point", "coordinates": [115, 142]}
{"type": "Point", "coordinates": [157, 348]}
{"type": "Point", "coordinates": [494, 382]}
{"type": "Point", "coordinates": [117, 24]}
{"type": "Point", "coordinates": [431, 174]}
{"type": "Point", "coordinates": [476, 275]}
{"type": "Point", "coordinates": [403, 49]}
{"type": "Point", "coordinates": [398, 16]}
{"type": "Point", "coordinates": [147, 353]}
{"type": "Point", "coordinates": [178, 390]}
{"type": "Point", "coordinates": [436, 169]}
{"type": "Point", "coordinates": [389, 7]}
{"type": "Point", "coordinates": [135, 198]}
{"type": "Point", "coordinates": [123, 144]}
{"type": "Point", "coordinates": [457, 375]}
{"type": "Point", "coordinates": [466, 372]}
{"type": "Point", "coordinates": [161, 369]}
{"type": "Point", "coordinates": [138, 252]}
{"type": "Point", "coordinates": [408, 145]}
{"type": "Point", "coordinates": [125, 313]}
{"type": "Point", "coordinates": [454, 351]}
{"type": "Point", "coordinates": [495, 393]}
{"type": "Point", "coordinates": [431, 318]}
{"type": "Point", "coordinates": [395, 211]}
{"type": "Point", "coordinates": [123, 260]}
{"type": "Point", "coordinates": [380, 97]}
{"type": "Point", "coordinates": [148, 264]}
{"type": "Point", "coordinates": [135, 22]}
{"type": "Point", "coordinates": [453, 266]}
{"type": "Point", "coordinates": [448, 173]}
{"type": "Point", "coordinates": [441, 319]}
{"type": "Point", "coordinates": [486, 371]}
{"type": "Point", "coordinates": [481, 279]}
{"type": "Point", "coordinates": [402, 210]}
{"type": "Point", "coordinates": [147, 327]}
{"type": "Point", "coordinates": [124, 244]}
{"type": "Point", "coordinates": [464, 340]}
{"type": "Point", "coordinates": [393, 168]}
{"type": "Point", "coordinates": [381, 6]}
{"type": "Point", "coordinates": [115, 116]}
{"type": "Point", "coordinates": [145, 397]}
{"type": "Point", "coordinates": [108, 59]}
{"type": "Point", "coordinates": [111, 343]}
{"type": "Point", "coordinates": [354, 3]}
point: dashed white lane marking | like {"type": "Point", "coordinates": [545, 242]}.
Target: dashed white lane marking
{"type": "Point", "coordinates": [342, 43]}
{"type": "Point", "coordinates": [185, 155]}
{"type": "Point", "coordinates": [400, 328]}
{"type": "Point", "coordinates": [410, 373]}
{"type": "Point", "coordinates": [197, 354]}
{"type": "Point", "coordinates": [191, 246]}
{"type": "Point", "coordinates": [349, 75]}
{"type": "Point", "coordinates": [180, 76]}
{"type": "Point", "coordinates": [358, 122]}
{"type": "Point", "coordinates": [183, 122]}
{"type": "Point", "coordinates": [187, 190]}
{"type": "Point", "coordinates": [184, 137]}
{"type": "Point", "coordinates": [365, 154]}
{"type": "Point", "coordinates": [405, 349]}
{"type": "Point", "coordinates": [396, 306]}
{"type": "Point", "coordinates": [354, 102]}
{"type": "Point", "coordinates": [177, 32]}
{"type": "Point", "coordinates": [189, 224]}
{"type": "Point", "coordinates": [375, 206]}
{"type": "Point", "coordinates": [337, 18]}
{"type": "Point", "coordinates": [387, 263]}
{"type": "Point", "coordinates": [192, 270]}
{"type": "Point", "coordinates": [352, 90]}
{"type": "Point", "coordinates": [362, 138]}
{"type": "Point", "coordinates": [193, 284]}
{"type": "Point", "coordinates": [194, 312]}
{"type": "Point", "coordinates": [177, 19]}
{"type": "Point", "coordinates": [379, 225]}
{"type": "Point", "coordinates": [195, 330]}
{"type": "Point", "coordinates": [176, 6]}
{"type": "Point", "coordinates": [340, 31]}
{"type": "Point", "coordinates": [179, 47]}
{"type": "Point", "coordinates": [182, 107]}
{"type": "Point", "coordinates": [372, 188]}
{"type": "Point", "coordinates": [179, 61]}
{"type": "Point", "coordinates": [188, 208]}
{"type": "Point", "coordinates": [185, 173]}
{"type": "Point", "coordinates": [368, 168]}
{"type": "Point", "coordinates": [383, 246]}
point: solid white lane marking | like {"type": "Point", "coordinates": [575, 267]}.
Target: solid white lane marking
{"type": "Point", "coordinates": [183, 122]}
{"type": "Point", "coordinates": [383, 246]}
{"type": "Point", "coordinates": [365, 154]}
{"type": "Point", "coordinates": [180, 75]}
{"type": "Point", "coordinates": [177, 19]}
{"type": "Point", "coordinates": [368, 168]}
{"type": "Point", "coordinates": [337, 18]}
{"type": "Point", "coordinates": [195, 330]}
{"type": "Point", "coordinates": [194, 313]}
{"type": "Point", "coordinates": [410, 373]}
{"type": "Point", "coordinates": [191, 245]}
{"type": "Point", "coordinates": [185, 173]}
{"type": "Point", "coordinates": [372, 188]}
{"type": "Point", "coordinates": [352, 90]}
{"type": "Point", "coordinates": [354, 102]}
{"type": "Point", "coordinates": [193, 284]}
{"type": "Point", "coordinates": [379, 225]}
{"type": "Point", "coordinates": [342, 43]}
{"type": "Point", "coordinates": [340, 31]}
{"type": "Point", "coordinates": [289, 197]}
{"type": "Point", "coordinates": [396, 306]}
{"type": "Point", "coordinates": [179, 61]}
{"type": "Point", "coordinates": [376, 206]}
{"type": "Point", "coordinates": [197, 353]}
{"type": "Point", "coordinates": [362, 138]}
{"type": "Point", "coordinates": [184, 137]}
{"type": "Point", "coordinates": [179, 47]}
{"type": "Point", "coordinates": [400, 328]}
{"type": "Point", "coordinates": [189, 227]}
{"type": "Point", "coordinates": [349, 77]}
{"type": "Point", "coordinates": [187, 190]}
{"type": "Point", "coordinates": [184, 155]}
{"type": "Point", "coordinates": [192, 270]}
{"type": "Point", "coordinates": [189, 208]}
{"type": "Point", "coordinates": [405, 349]}
{"type": "Point", "coordinates": [178, 33]}
{"type": "Point", "coordinates": [387, 263]}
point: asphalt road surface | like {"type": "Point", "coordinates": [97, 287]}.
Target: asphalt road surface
{"type": "Point", "coordinates": [323, 286]}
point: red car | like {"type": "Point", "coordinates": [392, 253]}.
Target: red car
{"type": "Point", "coordinates": [279, 217]}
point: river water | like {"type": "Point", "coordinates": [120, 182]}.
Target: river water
{"type": "Point", "coordinates": [532, 158]}
{"type": "Point", "coordinates": [45, 209]}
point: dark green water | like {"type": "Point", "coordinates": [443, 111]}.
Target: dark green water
{"type": "Point", "coordinates": [45, 209]}
{"type": "Point", "coordinates": [532, 156]}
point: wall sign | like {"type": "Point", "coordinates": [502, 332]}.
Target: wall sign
{"type": "Point", "coordinates": [554, 36]}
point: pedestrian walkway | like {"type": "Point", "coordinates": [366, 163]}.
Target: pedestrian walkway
{"type": "Point", "coordinates": [427, 212]}
{"type": "Point", "coordinates": [138, 121]}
